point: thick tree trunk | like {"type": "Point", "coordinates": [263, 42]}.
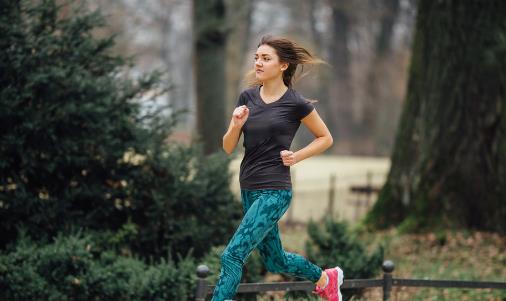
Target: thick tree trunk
{"type": "Point", "coordinates": [209, 62]}
{"type": "Point", "coordinates": [449, 160]}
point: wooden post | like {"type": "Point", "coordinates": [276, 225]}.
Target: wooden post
{"type": "Point", "coordinates": [388, 267]}
{"type": "Point", "coordinates": [201, 292]}
{"type": "Point", "coordinates": [332, 195]}
{"type": "Point", "coordinates": [369, 189]}
{"type": "Point", "coordinates": [357, 207]}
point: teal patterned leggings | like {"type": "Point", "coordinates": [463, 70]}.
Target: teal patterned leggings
{"type": "Point", "coordinates": [259, 229]}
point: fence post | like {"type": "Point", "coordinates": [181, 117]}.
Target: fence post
{"type": "Point", "coordinates": [201, 291]}
{"type": "Point", "coordinates": [369, 190]}
{"type": "Point", "coordinates": [388, 267]}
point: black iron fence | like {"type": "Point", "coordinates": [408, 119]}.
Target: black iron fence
{"type": "Point", "coordinates": [387, 282]}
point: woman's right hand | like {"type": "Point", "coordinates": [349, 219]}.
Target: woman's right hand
{"type": "Point", "coordinates": [240, 115]}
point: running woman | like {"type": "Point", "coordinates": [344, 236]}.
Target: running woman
{"type": "Point", "coordinates": [269, 114]}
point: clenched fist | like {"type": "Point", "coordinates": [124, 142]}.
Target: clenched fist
{"type": "Point", "coordinates": [288, 157]}
{"type": "Point", "coordinates": [240, 115]}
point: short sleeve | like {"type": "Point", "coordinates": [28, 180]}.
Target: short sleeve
{"type": "Point", "coordinates": [304, 107]}
{"type": "Point", "coordinates": [241, 100]}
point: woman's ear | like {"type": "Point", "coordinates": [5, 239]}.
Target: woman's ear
{"type": "Point", "coordinates": [284, 66]}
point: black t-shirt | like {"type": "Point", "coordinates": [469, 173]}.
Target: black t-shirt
{"type": "Point", "coordinates": [269, 129]}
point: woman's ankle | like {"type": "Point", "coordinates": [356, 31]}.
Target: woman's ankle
{"type": "Point", "coordinates": [322, 282]}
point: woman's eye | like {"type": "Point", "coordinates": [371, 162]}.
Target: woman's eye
{"type": "Point", "coordinates": [265, 59]}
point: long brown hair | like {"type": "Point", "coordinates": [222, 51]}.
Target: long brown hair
{"type": "Point", "coordinates": [288, 52]}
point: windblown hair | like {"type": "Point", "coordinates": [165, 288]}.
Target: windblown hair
{"type": "Point", "coordinates": [288, 52]}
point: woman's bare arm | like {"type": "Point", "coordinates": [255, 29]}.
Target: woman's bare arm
{"type": "Point", "coordinates": [323, 140]}
{"type": "Point", "coordinates": [231, 137]}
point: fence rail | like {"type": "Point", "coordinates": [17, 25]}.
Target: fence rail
{"type": "Point", "coordinates": [387, 282]}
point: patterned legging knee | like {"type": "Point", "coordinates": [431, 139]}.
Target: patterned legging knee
{"type": "Point", "coordinates": [259, 229]}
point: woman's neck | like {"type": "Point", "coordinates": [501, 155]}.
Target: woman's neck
{"type": "Point", "coordinates": [273, 88]}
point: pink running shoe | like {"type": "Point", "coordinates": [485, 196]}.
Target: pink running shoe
{"type": "Point", "coordinates": [332, 291]}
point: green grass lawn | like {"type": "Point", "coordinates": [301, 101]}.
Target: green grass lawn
{"type": "Point", "coordinates": [457, 255]}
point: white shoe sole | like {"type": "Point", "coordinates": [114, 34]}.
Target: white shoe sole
{"type": "Point", "coordinates": [340, 278]}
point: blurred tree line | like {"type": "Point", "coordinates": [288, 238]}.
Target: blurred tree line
{"type": "Point", "coordinates": [360, 95]}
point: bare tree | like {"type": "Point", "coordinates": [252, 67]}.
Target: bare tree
{"type": "Point", "coordinates": [209, 56]}
{"type": "Point", "coordinates": [237, 48]}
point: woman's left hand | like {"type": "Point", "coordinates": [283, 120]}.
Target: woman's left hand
{"type": "Point", "coordinates": [288, 157]}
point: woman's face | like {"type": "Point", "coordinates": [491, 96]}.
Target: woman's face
{"type": "Point", "coordinates": [267, 65]}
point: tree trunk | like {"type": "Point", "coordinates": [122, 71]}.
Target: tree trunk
{"type": "Point", "coordinates": [380, 94]}
{"type": "Point", "coordinates": [340, 94]}
{"type": "Point", "coordinates": [209, 62]}
{"type": "Point", "coordinates": [449, 160]}
{"type": "Point", "coordinates": [239, 19]}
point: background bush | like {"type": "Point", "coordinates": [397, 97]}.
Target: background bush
{"type": "Point", "coordinates": [69, 268]}
{"type": "Point", "coordinates": [332, 244]}
{"type": "Point", "coordinates": [183, 202]}
{"type": "Point", "coordinates": [76, 151]}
